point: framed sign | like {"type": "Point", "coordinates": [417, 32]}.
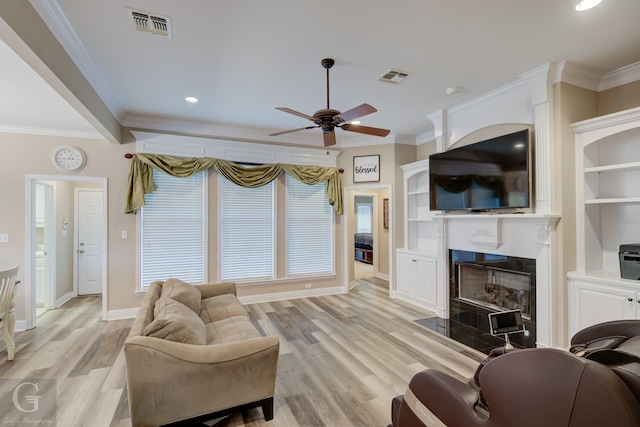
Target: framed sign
{"type": "Point", "coordinates": [385, 213]}
{"type": "Point", "coordinates": [366, 168]}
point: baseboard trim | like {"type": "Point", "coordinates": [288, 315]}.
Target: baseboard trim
{"type": "Point", "coordinates": [65, 298]}
{"type": "Point", "coordinates": [126, 313]}
{"type": "Point", "coordinates": [281, 296]}
{"type": "Point", "coordinates": [21, 325]}
{"type": "Point", "coordinates": [382, 276]}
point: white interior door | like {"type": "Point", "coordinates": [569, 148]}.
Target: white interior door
{"type": "Point", "coordinates": [45, 246]}
{"type": "Point", "coordinates": [88, 240]}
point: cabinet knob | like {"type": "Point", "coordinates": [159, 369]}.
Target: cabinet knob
{"type": "Point", "coordinates": [630, 299]}
{"type": "Point", "coordinates": [414, 260]}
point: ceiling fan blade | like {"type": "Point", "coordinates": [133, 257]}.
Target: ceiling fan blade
{"type": "Point", "coordinates": [329, 138]}
{"type": "Point", "coordinates": [365, 129]}
{"type": "Point", "coordinates": [293, 130]}
{"type": "Point", "coordinates": [354, 113]}
{"type": "Point", "coordinates": [295, 113]}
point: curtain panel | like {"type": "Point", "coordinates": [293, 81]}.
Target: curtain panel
{"type": "Point", "coordinates": [140, 181]}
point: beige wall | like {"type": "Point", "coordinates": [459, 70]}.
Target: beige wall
{"type": "Point", "coordinates": [619, 98]}
{"type": "Point", "coordinates": [22, 155]}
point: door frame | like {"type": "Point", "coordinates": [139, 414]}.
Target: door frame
{"type": "Point", "coordinates": [30, 238]}
{"type": "Point", "coordinates": [348, 240]}
{"type": "Point", "coordinates": [50, 243]}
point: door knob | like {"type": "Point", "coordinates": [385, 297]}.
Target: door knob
{"type": "Point", "coordinates": [80, 251]}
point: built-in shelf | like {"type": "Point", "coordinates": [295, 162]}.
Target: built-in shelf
{"type": "Point", "coordinates": [607, 208]}
{"type": "Point", "coordinates": [613, 168]}
{"type": "Point", "coordinates": [612, 200]}
{"type": "Point", "coordinates": [414, 193]}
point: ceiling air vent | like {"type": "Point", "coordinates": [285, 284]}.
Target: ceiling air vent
{"type": "Point", "coordinates": [394, 76]}
{"type": "Point", "coordinates": [150, 23]}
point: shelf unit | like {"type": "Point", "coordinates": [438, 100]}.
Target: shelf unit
{"type": "Point", "coordinates": [416, 264]}
{"type": "Point", "coordinates": [607, 212]}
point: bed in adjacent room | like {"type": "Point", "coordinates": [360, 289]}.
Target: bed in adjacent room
{"type": "Point", "coordinates": [363, 250]}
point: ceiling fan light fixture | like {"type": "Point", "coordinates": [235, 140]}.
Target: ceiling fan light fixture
{"type": "Point", "coordinates": [355, 122]}
{"type": "Point", "coordinates": [587, 4]}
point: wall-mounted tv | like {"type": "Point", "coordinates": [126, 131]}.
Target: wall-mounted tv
{"type": "Point", "coordinates": [495, 174]}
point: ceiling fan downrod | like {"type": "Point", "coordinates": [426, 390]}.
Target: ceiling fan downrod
{"type": "Point", "coordinates": [327, 63]}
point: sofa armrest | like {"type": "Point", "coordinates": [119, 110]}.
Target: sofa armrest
{"type": "Point", "coordinates": [169, 381]}
{"type": "Point", "coordinates": [215, 289]}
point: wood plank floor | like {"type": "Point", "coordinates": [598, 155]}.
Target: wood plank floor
{"type": "Point", "coordinates": [342, 359]}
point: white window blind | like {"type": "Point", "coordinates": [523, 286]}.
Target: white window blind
{"type": "Point", "coordinates": [309, 229]}
{"type": "Point", "coordinates": [364, 218]}
{"type": "Point", "coordinates": [247, 231]}
{"type": "Point", "coordinates": [173, 230]}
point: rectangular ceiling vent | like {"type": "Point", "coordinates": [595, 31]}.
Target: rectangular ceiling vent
{"type": "Point", "coordinates": [394, 76]}
{"type": "Point", "coordinates": [150, 23]}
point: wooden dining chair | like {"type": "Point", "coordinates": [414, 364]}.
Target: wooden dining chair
{"type": "Point", "coordinates": [7, 314]}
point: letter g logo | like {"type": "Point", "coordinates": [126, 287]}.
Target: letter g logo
{"type": "Point", "coordinates": [33, 400]}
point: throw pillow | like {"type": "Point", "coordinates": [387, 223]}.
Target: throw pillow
{"type": "Point", "coordinates": [184, 293]}
{"type": "Point", "coordinates": [176, 322]}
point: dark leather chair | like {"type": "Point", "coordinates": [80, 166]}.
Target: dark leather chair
{"type": "Point", "coordinates": [529, 388]}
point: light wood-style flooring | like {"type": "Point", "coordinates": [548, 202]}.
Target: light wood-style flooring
{"type": "Point", "coordinates": [342, 359]}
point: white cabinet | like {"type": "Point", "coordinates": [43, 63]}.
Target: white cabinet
{"type": "Point", "coordinates": [607, 208]}
{"type": "Point", "coordinates": [593, 301]}
{"type": "Point", "coordinates": [416, 279]}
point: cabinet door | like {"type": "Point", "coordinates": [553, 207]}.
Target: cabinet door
{"type": "Point", "coordinates": [407, 276]}
{"type": "Point", "coordinates": [597, 304]}
{"type": "Point", "coordinates": [426, 290]}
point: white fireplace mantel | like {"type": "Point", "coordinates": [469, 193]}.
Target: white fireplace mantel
{"type": "Point", "coordinates": [519, 235]}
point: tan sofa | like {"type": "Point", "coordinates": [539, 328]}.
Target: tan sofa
{"type": "Point", "coordinates": [193, 351]}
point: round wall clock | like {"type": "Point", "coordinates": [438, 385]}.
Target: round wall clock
{"type": "Point", "coordinates": [69, 158]}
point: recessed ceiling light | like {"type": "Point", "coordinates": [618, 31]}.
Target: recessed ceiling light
{"type": "Point", "coordinates": [191, 99]}
{"type": "Point", "coordinates": [587, 4]}
{"type": "Point", "coordinates": [355, 122]}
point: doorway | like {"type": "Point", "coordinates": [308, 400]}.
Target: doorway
{"type": "Point", "coordinates": [365, 205]}
{"type": "Point", "coordinates": [53, 226]}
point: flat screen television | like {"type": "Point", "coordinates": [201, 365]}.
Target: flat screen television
{"type": "Point", "coordinates": [495, 174]}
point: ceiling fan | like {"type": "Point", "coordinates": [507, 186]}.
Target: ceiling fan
{"type": "Point", "coordinates": [329, 119]}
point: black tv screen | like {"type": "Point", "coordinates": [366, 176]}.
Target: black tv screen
{"type": "Point", "coordinates": [484, 176]}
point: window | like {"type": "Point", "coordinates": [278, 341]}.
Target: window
{"type": "Point", "coordinates": [246, 231]}
{"type": "Point", "coordinates": [364, 218]}
{"type": "Point", "coordinates": [309, 229]}
{"type": "Point", "coordinates": [173, 228]}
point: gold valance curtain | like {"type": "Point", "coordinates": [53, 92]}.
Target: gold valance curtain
{"type": "Point", "coordinates": [140, 180]}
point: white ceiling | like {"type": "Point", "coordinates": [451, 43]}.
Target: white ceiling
{"type": "Point", "coordinates": [243, 58]}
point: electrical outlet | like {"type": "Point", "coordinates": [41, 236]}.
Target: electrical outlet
{"type": "Point", "coordinates": [4, 238]}
{"type": "Point", "coordinates": [124, 234]}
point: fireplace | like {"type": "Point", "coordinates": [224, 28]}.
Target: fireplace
{"type": "Point", "coordinates": [482, 283]}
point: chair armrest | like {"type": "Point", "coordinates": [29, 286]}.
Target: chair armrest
{"type": "Point", "coordinates": [627, 328]}
{"type": "Point", "coordinates": [215, 289]}
{"type": "Point", "coordinates": [446, 398]}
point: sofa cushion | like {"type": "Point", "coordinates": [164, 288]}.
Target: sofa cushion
{"type": "Point", "coordinates": [175, 321]}
{"type": "Point", "coordinates": [221, 307]}
{"type": "Point", "coordinates": [235, 328]}
{"type": "Point", "coordinates": [182, 292]}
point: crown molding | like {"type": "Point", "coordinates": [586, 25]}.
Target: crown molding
{"type": "Point", "coordinates": [619, 77]}
{"type": "Point", "coordinates": [229, 132]}
{"type": "Point", "coordinates": [577, 75]}
{"type": "Point", "coordinates": [52, 14]}
{"type": "Point", "coordinates": [51, 132]}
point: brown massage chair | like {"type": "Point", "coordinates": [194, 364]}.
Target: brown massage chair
{"type": "Point", "coordinates": [536, 387]}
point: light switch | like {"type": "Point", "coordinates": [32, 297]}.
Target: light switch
{"type": "Point", "coordinates": [124, 234]}
{"type": "Point", "coordinates": [4, 238]}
